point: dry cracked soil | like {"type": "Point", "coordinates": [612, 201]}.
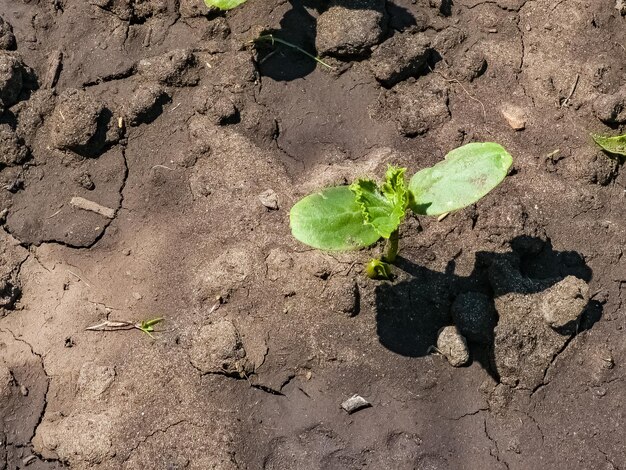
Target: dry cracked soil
{"type": "Point", "coordinates": [150, 152]}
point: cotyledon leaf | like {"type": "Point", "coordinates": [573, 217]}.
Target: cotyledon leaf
{"type": "Point", "coordinates": [331, 220]}
{"type": "Point", "coordinates": [615, 145]}
{"type": "Point", "coordinates": [465, 175]}
{"type": "Point", "coordinates": [384, 208]}
{"type": "Point", "coordinates": [224, 4]}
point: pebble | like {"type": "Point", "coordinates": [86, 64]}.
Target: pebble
{"type": "Point", "coordinates": [269, 199]}
{"type": "Point", "coordinates": [515, 116]}
{"type": "Point", "coordinates": [453, 346]}
{"type": "Point", "coordinates": [355, 403]}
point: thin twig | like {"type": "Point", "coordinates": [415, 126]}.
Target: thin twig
{"type": "Point", "coordinates": [273, 39]}
{"type": "Point", "coordinates": [78, 277]}
{"type": "Point", "coordinates": [571, 93]}
{"type": "Point", "coordinates": [472, 97]}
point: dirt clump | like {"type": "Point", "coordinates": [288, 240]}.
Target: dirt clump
{"type": "Point", "coordinates": [421, 105]}
{"type": "Point", "coordinates": [217, 349]}
{"type": "Point", "coordinates": [173, 68]}
{"type": "Point", "coordinates": [533, 325]}
{"type": "Point", "coordinates": [12, 77]}
{"type": "Point", "coordinates": [611, 108]}
{"type": "Point", "coordinates": [400, 57]}
{"type": "Point", "coordinates": [7, 38]}
{"type": "Point", "coordinates": [350, 28]}
{"type": "Point", "coordinates": [77, 123]}
{"type": "Point", "coordinates": [13, 150]}
{"type": "Point", "coordinates": [146, 103]}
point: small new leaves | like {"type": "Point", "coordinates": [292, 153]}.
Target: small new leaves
{"type": "Point", "coordinates": [377, 269]}
{"type": "Point", "coordinates": [383, 208]}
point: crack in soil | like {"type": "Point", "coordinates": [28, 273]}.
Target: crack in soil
{"type": "Point", "coordinates": [48, 379]}
{"type": "Point", "coordinates": [547, 369]}
{"type": "Point", "coordinates": [150, 435]}
{"type": "Point", "coordinates": [495, 443]}
{"type": "Point", "coordinates": [607, 458]}
{"type": "Point", "coordinates": [471, 413]}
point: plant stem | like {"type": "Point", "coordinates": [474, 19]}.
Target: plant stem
{"type": "Point", "coordinates": [391, 248]}
{"type": "Point", "coordinates": [274, 39]}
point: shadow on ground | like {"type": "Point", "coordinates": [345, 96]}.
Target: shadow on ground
{"type": "Point", "coordinates": [299, 27]}
{"type": "Point", "coordinates": [410, 313]}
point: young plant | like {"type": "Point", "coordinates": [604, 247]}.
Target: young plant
{"type": "Point", "coordinates": [344, 218]}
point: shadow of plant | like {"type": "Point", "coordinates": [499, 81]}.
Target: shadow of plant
{"type": "Point", "coordinates": [410, 313]}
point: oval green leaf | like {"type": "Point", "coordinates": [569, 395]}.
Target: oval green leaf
{"type": "Point", "coordinates": [224, 4]}
{"type": "Point", "coordinates": [466, 175]}
{"type": "Point", "coordinates": [331, 220]}
{"type": "Point", "coordinates": [615, 145]}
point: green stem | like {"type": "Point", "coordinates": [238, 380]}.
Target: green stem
{"type": "Point", "coordinates": [391, 248]}
{"type": "Point", "coordinates": [273, 39]}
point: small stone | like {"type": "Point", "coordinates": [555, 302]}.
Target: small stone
{"type": "Point", "coordinates": [515, 116]}
{"type": "Point", "coordinates": [453, 346]}
{"type": "Point", "coordinates": [562, 304]}
{"type": "Point", "coordinates": [269, 199]}
{"type": "Point", "coordinates": [620, 5]}
{"type": "Point", "coordinates": [137, 296]}
{"type": "Point", "coordinates": [28, 460]}
{"type": "Point", "coordinates": [24, 390]}
{"type": "Point", "coordinates": [127, 252]}
{"type": "Point", "coordinates": [355, 403]}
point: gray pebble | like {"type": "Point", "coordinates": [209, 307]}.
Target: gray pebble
{"type": "Point", "coordinates": [355, 403]}
{"type": "Point", "coordinates": [453, 346]}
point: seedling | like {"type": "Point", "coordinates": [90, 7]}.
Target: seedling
{"type": "Point", "coordinates": [147, 326]}
{"type": "Point", "coordinates": [273, 39]}
{"type": "Point", "coordinates": [614, 145]}
{"type": "Point", "coordinates": [344, 218]}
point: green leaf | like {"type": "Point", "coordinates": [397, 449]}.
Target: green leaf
{"type": "Point", "coordinates": [331, 220]}
{"type": "Point", "coordinates": [466, 175]}
{"type": "Point", "coordinates": [377, 269]}
{"type": "Point", "coordinates": [224, 4]}
{"type": "Point", "coordinates": [383, 208]}
{"type": "Point", "coordinates": [615, 145]}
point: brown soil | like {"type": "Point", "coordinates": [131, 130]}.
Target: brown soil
{"type": "Point", "coordinates": [160, 113]}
